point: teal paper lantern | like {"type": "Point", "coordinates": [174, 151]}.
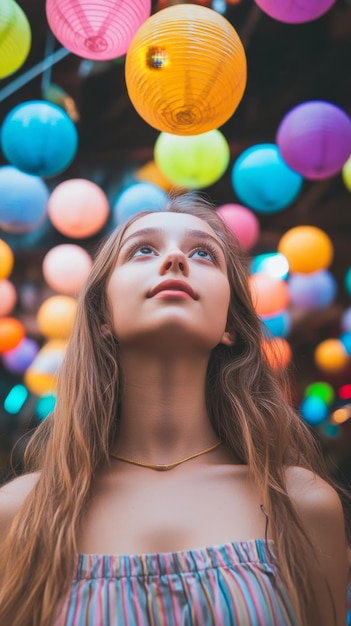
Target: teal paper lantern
{"type": "Point", "coordinates": [263, 181]}
{"type": "Point", "coordinates": [39, 138]}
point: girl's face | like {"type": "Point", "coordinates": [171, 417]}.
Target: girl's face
{"type": "Point", "coordinates": [170, 284]}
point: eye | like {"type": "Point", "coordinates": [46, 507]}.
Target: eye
{"type": "Point", "coordinates": [206, 253]}
{"type": "Point", "coordinates": [141, 250]}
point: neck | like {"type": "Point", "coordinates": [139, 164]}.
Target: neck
{"type": "Point", "coordinates": [163, 411]}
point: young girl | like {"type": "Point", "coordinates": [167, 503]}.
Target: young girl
{"type": "Point", "coordinates": [174, 485]}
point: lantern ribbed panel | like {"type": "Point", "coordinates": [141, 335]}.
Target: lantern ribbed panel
{"type": "Point", "coordinates": [15, 37]}
{"type": "Point", "coordinates": [186, 70]}
{"type": "Point", "coordinates": [96, 29]}
{"type": "Point", "coordinates": [295, 11]}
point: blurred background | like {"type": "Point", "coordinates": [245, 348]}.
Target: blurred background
{"type": "Point", "coordinates": [77, 158]}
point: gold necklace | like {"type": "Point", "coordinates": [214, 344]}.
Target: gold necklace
{"type": "Point", "coordinates": [162, 467]}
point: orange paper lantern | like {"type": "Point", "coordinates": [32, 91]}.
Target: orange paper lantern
{"type": "Point", "coordinates": [307, 248]}
{"type": "Point", "coordinates": [330, 356]}
{"type": "Point", "coordinates": [151, 173]}
{"type": "Point", "coordinates": [6, 259]}
{"type": "Point", "coordinates": [186, 70]}
{"type": "Point", "coordinates": [277, 351]}
{"type": "Point", "coordinates": [269, 294]}
{"type": "Point", "coordinates": [12, 332]}
{"type": "Point", "coordinates": [41, 375]}
{"type": "Point", "coordinates": [56, 315]}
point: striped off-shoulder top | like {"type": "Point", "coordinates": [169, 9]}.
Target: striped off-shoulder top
{"type": "Point", "coordinates": [233, 584]}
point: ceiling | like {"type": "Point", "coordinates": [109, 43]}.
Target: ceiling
{"type": "Point", "coordinates": [287, 65]}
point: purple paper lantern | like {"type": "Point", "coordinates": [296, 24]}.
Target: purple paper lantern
{"type": "Point", "coordinates": [345, 321]}
{"type": "Point", "coordinates": [21, 357]}
{"type": "Point", "coordinates": [315, 139]}
{"type": "Point", "coordinates": [295, 11]}
{"type": "Point", "coordinates": [312, 291]}
{"type": "Point", "coordinates": [98, 30]}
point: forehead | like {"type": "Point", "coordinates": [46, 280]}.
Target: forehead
{"type": "Point", "coordinates": [174, 223]}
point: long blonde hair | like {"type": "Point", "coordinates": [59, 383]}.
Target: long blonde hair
{"type": "Point", "coordinates": [248, 410]}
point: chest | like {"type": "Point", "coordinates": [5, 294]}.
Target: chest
{"type": "Point", "coordinates": [142, 514]}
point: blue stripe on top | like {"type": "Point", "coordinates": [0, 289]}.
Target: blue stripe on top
{"type": "Point", "coordinates": [233, 584]}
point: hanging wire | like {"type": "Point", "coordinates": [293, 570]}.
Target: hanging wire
{"type": "Point", "coordinates": [33, 72]}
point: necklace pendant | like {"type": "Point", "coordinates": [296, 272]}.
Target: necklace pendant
{"type": "Point", "coordinates": [161, 468]}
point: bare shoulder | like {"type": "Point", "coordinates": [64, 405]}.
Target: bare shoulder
{"type": "Point", "coordinates": [12, 496]}
{"type": "Point", "coordinates": [320, 510]}
{"type": "Point", "coordinates": [312, 495]}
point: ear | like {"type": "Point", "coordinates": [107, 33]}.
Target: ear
{"type": "Point", "coordinates": [227, 339]}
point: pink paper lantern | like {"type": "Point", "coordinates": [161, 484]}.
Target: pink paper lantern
{"type": "Point", "coordinates": [78, 208]}
{"type": "Point", "coordinates": [314, 139]}
{"type": "Point", "coordinates": [8, 297]}
{"type": "Point", "coordinates": [66, 267]}
{"type": "Point", "coordinates": [98, 30]}
{"type": "Point", "coordinates": [242, 222]}
{"type": "Point", "coordinates": [295, 11]}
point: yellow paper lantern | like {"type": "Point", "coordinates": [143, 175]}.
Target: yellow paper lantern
{"type": "Point", "coordinates": [346, 174]}
{"type": "Point", "coordinates": [186, 70]}
{"type": "Point", "coordinates": [192, 162]}
{"type": "Point", "coordinates": [41, 376]}
{"type": "Point", "coordinates": [15, 37]}
{"type": "Point", "coordinates": [307, 248]}
{"type": "Point", "coordinates": [56, 315]}
{"type": "Point", "coordinates": [331, 356]}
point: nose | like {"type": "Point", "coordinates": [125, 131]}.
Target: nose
{"type": "Point", "coordinates": [175, 261]}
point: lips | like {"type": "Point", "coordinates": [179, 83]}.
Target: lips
{"type": "Point", "coordinates": [173, 285]}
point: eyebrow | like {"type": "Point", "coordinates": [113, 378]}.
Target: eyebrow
{"type": "Point", "coordinates": [199, 234]}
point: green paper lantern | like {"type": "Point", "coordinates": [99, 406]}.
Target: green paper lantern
{"type": "Point", "coordinates": [15, 37]}
{"type": "Point", "coordinates": [321, 390]}
{"type": "Point", "coordinates": [194, 161]}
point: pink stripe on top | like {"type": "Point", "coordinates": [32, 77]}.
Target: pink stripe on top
{"type": "Point", "coordinates": [233, 584]}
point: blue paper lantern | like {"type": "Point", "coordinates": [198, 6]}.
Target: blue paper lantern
{"type": "Point", "coordinates": [136, 198]}
{"type": "Point", "coordinates": [314, 411]}
{"type": "Point", "coordinates": [278, 325]}
{"type": "Point", "coordinates": [263, 181]}
{"type": "Point", "coordinates": [39, 138]}
{"type": "Point", "coordinates": [23, 200]}
{"type": "Point", "coordinates": [345, 339]}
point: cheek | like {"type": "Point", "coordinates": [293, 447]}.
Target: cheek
{"type": "Point", "coordinates": [119, 297]}
{"type": "Point", "coordinates": [220, 301]}
{"type": "Point", "coordinates": [223, 291]}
